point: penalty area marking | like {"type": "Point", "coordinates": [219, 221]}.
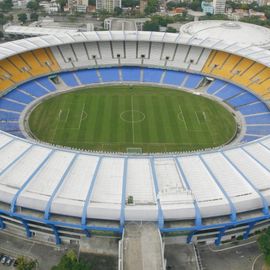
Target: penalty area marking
{"type": "Point", "coordinates": [181, 117]}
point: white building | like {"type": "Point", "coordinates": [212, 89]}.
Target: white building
{"type": "Point", "coordinates": [219, 6]}
{"type": "Point", "coordinates": [108, 5]}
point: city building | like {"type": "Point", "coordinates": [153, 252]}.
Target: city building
{"type": "Point", "coordinates": [219, 6]}
{"type": "Point", "coordinates": [207, 7]}
{"type": "Point", "coordinates": [78, 5]}
{"type": "Point", "coordinates": [108, 5]}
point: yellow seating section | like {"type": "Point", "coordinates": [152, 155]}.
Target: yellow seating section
{"type": "Point", "coordinates": [46, 59]}
{"type": "Point", "coordinates": [239, 70]}
{"type": "Point", "coordinates": [18, 68]}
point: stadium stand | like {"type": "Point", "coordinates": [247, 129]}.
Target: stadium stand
{"type": "Point", "coordinates": [109, 74]}
{"type": "Point", "coordinates": [193, 81]}
{"type": "Point", "coordinates": [131, 73]}
{"type": "Point", "coordinates": [69, 79]}
{"type": "Point", "coordinates": [87, 76]}
{"type": "Point", "coordinates": [174, 78]}
{"type": "Point", "coordinates": [151, 75]}
{"type": "Point", "coordinates": [229, 198]}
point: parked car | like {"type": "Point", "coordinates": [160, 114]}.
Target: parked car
{"type": "Point", "coordinates": [9, 261]}
{"type": "Point", "coordinates": [4, 259]}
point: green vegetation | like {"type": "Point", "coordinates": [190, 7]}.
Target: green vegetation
{"type": "Point", "coordinates": [194, 5]}
{"type": "Point", "coordinates": [114, 118]}
{"type": "Point", "coordinates": [25, 264]}
{"type": "Point", "coordinates": [152, 7]}
{"type": "Point", "coordinates": [22, 17]}
{"type": "Point", "coordinates": [6, 5]}
{"type": "Point", "coordinates": [264, 243]}
{"type": "Point", "coordinates": [70, 262]}
{"type": "Point", "coordinates": [33, 5]}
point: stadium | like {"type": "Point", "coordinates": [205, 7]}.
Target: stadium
{"type": "Point", "coordinates": [61, 193]}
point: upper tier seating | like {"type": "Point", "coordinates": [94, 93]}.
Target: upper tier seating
{"type": "Point", "coordinates": [18, 68]}
{"type": "Point", "coordinates": [239, 70]}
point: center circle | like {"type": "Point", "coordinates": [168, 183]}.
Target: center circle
{"type": "Point", "coordinates": [132, 116]}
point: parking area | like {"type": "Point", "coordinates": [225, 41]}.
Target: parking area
{"type": "Point", "coordinates": [244, 255]}
{"type": "Point", "coordinates": [7, 262]}
{"type": "Point", "coordinates": [13, 247]}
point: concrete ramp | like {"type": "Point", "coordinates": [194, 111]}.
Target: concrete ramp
{"type": "Point", "coordinates": [142, 247]}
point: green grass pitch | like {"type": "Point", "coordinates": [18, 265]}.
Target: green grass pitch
{"type": "Point", "coordinates": [116, 118]}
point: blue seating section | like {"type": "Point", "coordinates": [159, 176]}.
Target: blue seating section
{"type": "Point", "coordinates": [9, 116]}
{"type": "Point", "coordinates": [69, 79]}
{"type": "Point", "coordinates": [45, 81]}
{"type": "Point", "coordinates": [174, 77]}
{"type": "Point", "coordinates": [243, 99]}
{"type": "Point", "coordinates": [109, 74]}
{"type": "Point", "coordinates": [258, 119]}
{"type": "Point", "coordinates": [11, 106]}
{"type": "Point", "coordinates": [131, 74]}
{"type": "Point", "coordinates": [9, 126]}
{"type": "Point", "coordinates": [250, 138]}
{"type": "Point", "coordinates": [19, 96]}
{"type": "Point", "coordinates": [229, 91]}
{"type": "Point", "coordinates": [258, 130]}
{"type": "Point", "coordinates": [253, 108]}
{"type": "Point", "coordinates": [33, 89]}
{"type": "Point", "coordinates": [214, 86]}
{"type": "Point", "coordinates": [87, 76]}
{"type": "Point", "coordinates": [152, 75]}
{"type": "Point", "coordinates": [193, 81]}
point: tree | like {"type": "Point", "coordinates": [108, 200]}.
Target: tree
{"type": "Point", "coordinates": [70, 262]}
{"type": "Point", "coordinates": [118, 11]}
{"type": "Point", "coordinates": [151, 26]}
{"type": "Point", "coordinates": [6, 5]}
{"type": "Point", "coordinates": [25, 264]}
{"type": "Point", "coordinates": [33, 5]}
{"type": "Point", "coordinates": [152, 7]}
{"type": "Point", "coordinates": [22, 17]}
{"type": "Point", "coordinates": [264, 243]}
{"type": "Point", "coordinates": [33, 16]}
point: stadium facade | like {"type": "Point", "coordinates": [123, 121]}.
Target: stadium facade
{"type": "Point", "coordinates": [54, 193]}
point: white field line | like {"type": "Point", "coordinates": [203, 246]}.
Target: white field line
{"type": "Point", "coordinates": [59, 114]}
{"type": "Point", "coordinates": [198, 120]}
{"type": "Point", "coordinates": [180, 111]}
{"type": "Point", "coordinates": [204, 116]}
{"type": "Point", "coordinates": [81, 116]}
{"type": "Point", "coordinates": [67, 115]}
{"type": "Point", "coordinates": [132, 118]}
